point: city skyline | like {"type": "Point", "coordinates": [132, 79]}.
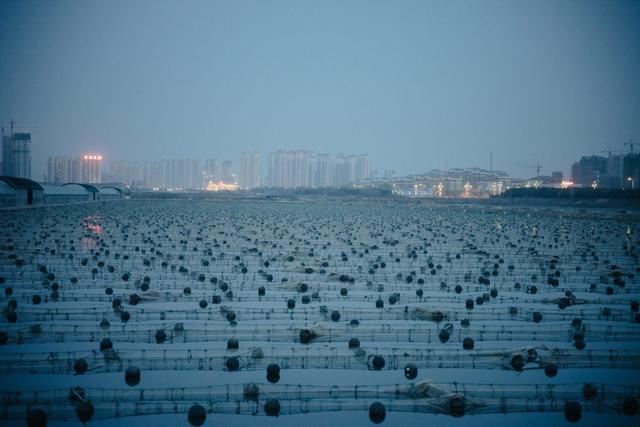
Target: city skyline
{"type": "Point", "coordinates": [527, 169]}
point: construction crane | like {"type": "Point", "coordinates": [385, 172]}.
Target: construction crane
{"type": "Point", "coordinates": [538, 167]}
{"type": "Point", "coordinates": [630, 145]}
{"type": "Point", "coordinates": [610, 152]}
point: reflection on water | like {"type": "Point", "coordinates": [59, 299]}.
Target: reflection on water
{"type": "Point", "coordinates": [88, 243]}
{"type": "Point", "coordinates": [92, 223]}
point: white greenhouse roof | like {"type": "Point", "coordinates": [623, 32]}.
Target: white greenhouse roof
{"type": "Point", "coordinates": [5, 189]}
{"type": "Point", "coordinates": [109, 190]}
{"type": "Point", "coordinates": [62, 190]}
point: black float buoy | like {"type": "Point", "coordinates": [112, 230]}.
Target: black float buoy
{"type": "Point", "coordinates": [273, 369]}
{"type": "Point", "coordinates": [456, 406]}
{"type": "Point", "coordinates": [273, 373]}
{"type": "Point", "coordinates": [550, 370]}
{"type": "Point", "coordinates": [291, 303]}
{"type": "Point", "coordinates": [125, 316]}
{"type": "Point", "coordinates": [105, 324]}
{"type": "Point", "coordinates": [465, 323]}
{"type": "Point", "coordinates": [232, 364]}
{"type": "Point", "coordinates": [377, 412]}
{"type": "Point", "coordinates": [344, 292]}
{"type": "Point", "coordinates": [335, 315]}
{"type": "Point", "coordinates": [444, 336]}
{"type": "Point", "coordinates": [216, 299]}
{"type": "Point", "coordinates": [437, 316]}
{"type": "Point", "coordinates": [572, 411]}
{"type": "Point", "coordinates": [84, 411]}
{"type": "Point", "coordinates": [589, 391]}
{"type": "Point", "coordinates": [80, 366]}
{"type": "Point", "coordinates": [467, 343]}
{"type": "Point", "coordinates": [106, 344]}
{"type": "Point", "coordinates": [379, 303]}
{"type": "Point", "coordinates": [233, 344]}
{"type": "Point", "coordinates": [261, 291]}
{"type": "Point", "coordinates": [197, 415]}
{"type": "Point", "coordinates": [251, 392]}
{"type": "Point", "coordinates": [132, 376]}
{"type": "Point", "coordinates": [517, 362]}
{"type": "Point", "coordinates": [231, 316]}
{"type": "Point", "coordinates": [410, 371]}
{"type": "Point", "coordinates": [76, 394]}
{"type": "Point", "coordinates": [272, 407]}
{"type": "Point", "coordinates": [377, 362]}
{"type": "Point", "coordinates": [161, 336]}
{"type": "Point", "coordinates": [537, 317]}
{"type": "Point", "coordinates": [134, 299]}
{"type": "Point", "coordinates": [203, 303]}
{"type": "Point", "coordinates": [36, 418]}
{"type": "Point", "coordinates": [469, 304]}
{"type": "Point", "coordinates": [630, 406]}
{"type": "Point", "coordinates": [354, 343]}
{"type": "Point", "coordinates": [306, 336]}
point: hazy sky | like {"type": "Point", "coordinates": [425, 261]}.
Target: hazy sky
{"type": "Point", "coordinates": [415, 84]}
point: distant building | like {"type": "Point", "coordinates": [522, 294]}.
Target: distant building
{"type": "Point", "coordinates": [61, 170]}
{"type": "Point", "coordinates": [184, 174]}
{"type": "Point", "coordinates": [557, 177]}
{"type": "Point", "coordinates": [16, 154]}
{"type": "Point", "coordinates": [614, 176]}
{"type": "Point", "coordinates": [588, 171]}
{"type": "Point", "coordinates": [91, 169]}
{"type": "Point", "coordinates": [156, 174]}
{"type": "Point", "coordinates": [127, 172]}
{"type": "Point", "coordinates": [631, 171]}
{"type": "Point", "coordinates": [212, 170]}
{"type": "Point", "coordinates": [250, 170]}
{"type": "Point", "coordinates": [614, 171]}
{"type": "Point", "coordinates": [222, 186]}
{"type": "Point", "coordinates": [227, 171]}
{"type": "Point", "coordinates": [306, 169]}
{"type": "Point", "coordinates": [455, 182]}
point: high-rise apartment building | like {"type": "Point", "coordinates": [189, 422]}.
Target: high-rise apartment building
{"type": "Point", "coordinates": [250, 170]}
{"type": "Point", "coordinates": [16, 153]}
{"type": "Point", "coordinates": [61, 170]}
{"type": "Point", "coordinates": [227, 171]}
{"type": "Point", "coordinates": [91, 169]}
{"type": "Point", "coordinates": [306, 169]}
{"type": "Point", "coordinates": [212, 170]}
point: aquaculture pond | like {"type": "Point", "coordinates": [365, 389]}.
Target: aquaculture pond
{"type": "Point", "coordinates": [320, 312]}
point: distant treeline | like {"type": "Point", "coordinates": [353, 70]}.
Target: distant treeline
{"type": "Point", "coordinates": [572, 193]}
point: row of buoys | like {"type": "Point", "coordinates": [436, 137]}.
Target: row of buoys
{"type": "Point", "coordinates": [305, 246]}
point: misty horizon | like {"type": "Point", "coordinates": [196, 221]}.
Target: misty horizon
{"type": "Point", "coordinates": [416, 85]}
